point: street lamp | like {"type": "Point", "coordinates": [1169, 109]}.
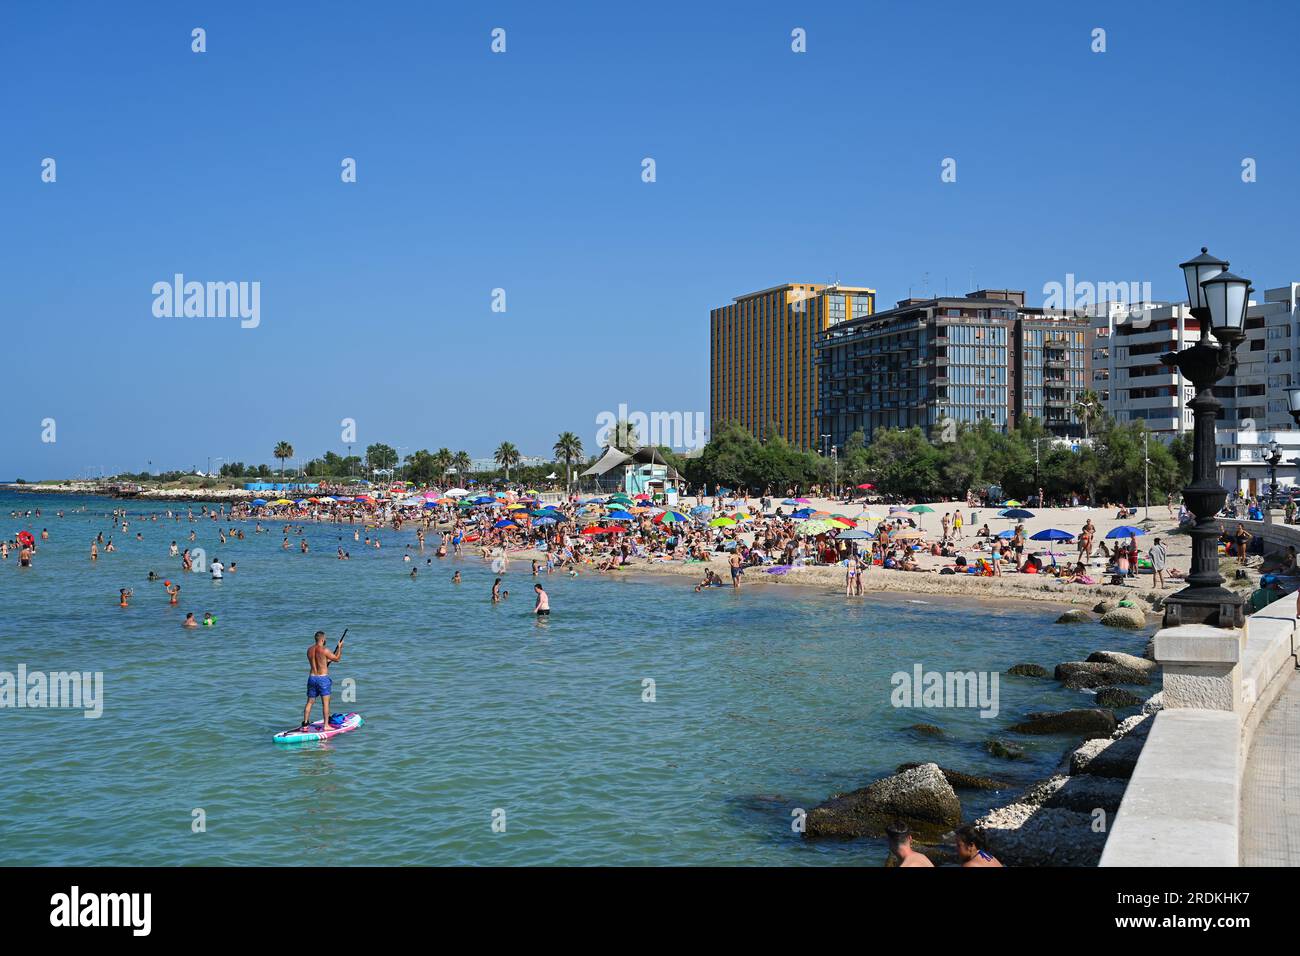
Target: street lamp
{"type": "Point", "coordinates": [1218, 303]}
{"type": "Point", "coordinates": [1274, 458]}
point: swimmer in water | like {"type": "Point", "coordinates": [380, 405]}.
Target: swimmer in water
{"type": "Point", "coordinates": [970, 848]}
{"type": "Point", "coordinates": [208, 619]}
{"type": "Point", "coordinates": [543, 606]}
{"type": "Point", "coordinates": [455, 578]}
{"type": "Point", "coordinates": [174, 592]}
{"type": "Point", "coordinates": [189, 620]}
{"type": "Point", "coordinates": [124, 595]}
{"type": "Point", "coordinates": [496, 591]}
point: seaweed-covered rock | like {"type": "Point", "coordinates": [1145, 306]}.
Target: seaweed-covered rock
{"type": "Point", "coordinates": [921, 797]}
{"type": "Point", "coordinates": [1084, 722]}
{"type": "Point", "coordinates": [1103, 606]}
{"type": "Point", "coordinates": [963, 781]}
{"type": "Point", "coordinates": [1027, 670]}
{"type": "Point", "coordinates": [927, 730]}
{"type": "Point", "coordinates": [1130, 617]}
{"type": "Point", "coordinates": [1092, 674]}
{"type": "Point", "coordinates": [1117, 698]}
{"type": "Point", "coordinates": [1074, 616]}
{"type": "Point", "coordinates": [1005, 750]}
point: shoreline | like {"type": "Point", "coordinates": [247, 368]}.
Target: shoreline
{"type": "Point", "coordinates": [829, 580]}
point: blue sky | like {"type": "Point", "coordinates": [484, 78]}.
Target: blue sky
{"type": "Point", "coordinates": [522, 171]}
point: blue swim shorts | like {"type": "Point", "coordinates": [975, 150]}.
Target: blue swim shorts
{"type": "Point", "coordinates": [318, 686]}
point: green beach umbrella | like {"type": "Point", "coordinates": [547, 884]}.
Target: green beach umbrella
{"type": "Point", "coordinates": [722, 523]}
{"type": "Point", "coordinates": [814, 527]}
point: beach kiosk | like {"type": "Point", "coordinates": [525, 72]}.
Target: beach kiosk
{"type": "Point", "coordinates": [644, 471]}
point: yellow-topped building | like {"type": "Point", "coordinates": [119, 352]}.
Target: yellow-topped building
{"type": "Point", "coordinates": [762, 367]}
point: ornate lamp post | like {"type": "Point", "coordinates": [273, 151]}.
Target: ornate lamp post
{"type": "Point", "coordinates": [1218, 303]}
{"type": "Point", "coordinates": [1274, 458]}
{"type": "Point", "coordinates": [1293, 403]}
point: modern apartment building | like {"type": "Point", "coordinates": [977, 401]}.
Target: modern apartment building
{"type": "Point", "coordinates": [1133, 383]}
{"type": "Point", "coordinates": [761, 355]}
{"type": "Point", "coordinates": [984, 356]}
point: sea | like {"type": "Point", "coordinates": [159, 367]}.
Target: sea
{"type": "Point", "coordinates": [642, 723]}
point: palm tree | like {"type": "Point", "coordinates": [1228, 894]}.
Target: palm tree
{"type": "Point", "coordinates": [1088, 409]}
{"type": "Point", "coordinates": [441, 462]}
{"type": "Point", "coordinates": [282, 451]}
{"type": "Point", "coordinates": [567, 449]}
{"type": "Point", "coordinates": [461, 462]}
{"type": "Point", "coordinates": [507, 455]}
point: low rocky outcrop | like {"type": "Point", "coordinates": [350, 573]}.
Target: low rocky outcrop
{"type": "Point", "coordinates": [1111, 757]}
{"type": "Point", "coordinates": [1028, 670]}
{"type": "Point", "coordinates": [1084, 722]}
{"type": "Point", "coordinates": [1074, 616]}
{"type": "Point", "coordinates": [1116, 698]}
{"type": "Point", "coordinates": [1130, 617]}
{"type": "Point", "coordinates": [1127, 661]}
{"type": "Point", "coordinates": [1103, 606]}
{"type": "Point", "coordinates": [920, 797]}
{"type": "Point", "coordinates": [1023, 834]}
{"type": "Point", "coordinates": [1154, 703]}
{"type": "Point", "coordinates": [964, 781]}
{"type": "Point", "coordinates": [926, 730]}
{"type": "Point", "coordinates": [1083, 794]}
{"type": "Point", "coordinates": [1004, 750]}
{"type": "Point", "coordinates": [1081, 675]}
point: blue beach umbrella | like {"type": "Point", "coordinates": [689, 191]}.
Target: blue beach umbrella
{"type": "Point", "coordinates": [505, 523]}
{"type": "Point", "coordinates": [543, 521]}
{"type": "Point", "coordinates": [1051, 534]}
{"type": "Point", "coordinates": [789, 501]}
{"type": "Point", "coordinates": [621, 516]}
{"type": "Point", "coordinates": [1016, 513]}
{"type": "Point", "coordinates": [259, 502]}
{"type": "Point", "coordinates": [802, 513]}
{"type": "Point", "coordinates": [1006, 534]}
{"type": "Point", "coordinates": [1124, 531]}
{"type": "Point", "coordinates": [701, 510]}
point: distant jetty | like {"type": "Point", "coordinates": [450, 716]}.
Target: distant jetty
{"type": "Point", "coordinates": [129, 489]}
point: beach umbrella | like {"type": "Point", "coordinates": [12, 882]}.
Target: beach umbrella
{"type": "Point", "coordinates": [814, 528]}
{"type": "Point", "coordinates": [921, 510]}
{"type": "Point", "coordinates": [620, 515]}
{"type": "Point", "coordinates": [701, 510]}
{"type": "Point", "coordinates": [722, 523]}
{"type": "Point", "coordinates": [1051, 534]}
{"type": "Point", "coordinates": [345, 499]}
{"type": "Point", "coordinates": [1124, 531]}
{"type": "Point", "coordinates": [328, 500]}
{"type": "Point", "coordinates": [854, 534]}
{"type": "Point", "coordinates": [865, 486]}
{"type": "Point", "coordinates": [1017, 513]}
{"type": "Point", "coordinates": [790, 501]}
{"type": "Point", "coordinates": [1006, 534]}
{"type": "Point", "coordinates": [505, 523]}
{"type": "Point", "coordinates": [1012, 503]}
{"type": "Point", "coordinates": [802, 513]}
{"type": "Point", "coordinates": [897, 510]}
{"type": "Point", "coordinates": [869, 516]}
{"type": "Point", "coordinates": [258, 502]}
{"type": "Point", "coordinates": [281, 501]}
{"type": "Point", "coordinates": [907, 535]}
{"type": "Point", "coordinates": [484, 500]}
{"type": "Point", "coordinates": [669, 517]}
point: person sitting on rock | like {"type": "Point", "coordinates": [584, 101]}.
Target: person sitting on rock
{"type": "Point", "coordinates": [970, 848]}
{"type": "Point", "coordinates": [900, 844]}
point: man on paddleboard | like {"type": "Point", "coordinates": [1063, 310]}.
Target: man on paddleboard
{"type": "Point", "coordinates": [319, 657]}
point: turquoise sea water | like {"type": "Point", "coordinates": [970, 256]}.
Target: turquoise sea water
{"type": "Point", "coordinates": [766, 701]}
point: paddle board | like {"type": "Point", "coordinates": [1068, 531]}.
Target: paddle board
{"type": "Point", "coordinates": [318, 731]}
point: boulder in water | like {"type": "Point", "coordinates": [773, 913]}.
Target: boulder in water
{"type": "Point", "coordinates": [1090, 722]}
{"type": "Point", "coordinates": [1117, 698]}
{"type": "Point", "coordinates": [1074, 616]}
{"type": "Point", "coordinates": [921, 797]}
{"type": "Point", "coordinates": [1027, 670]}
{"type": "Point", "coordinates": [1130, 617]}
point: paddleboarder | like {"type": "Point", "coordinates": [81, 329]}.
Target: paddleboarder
{"type": "Point", "coordinates": [319, 658]}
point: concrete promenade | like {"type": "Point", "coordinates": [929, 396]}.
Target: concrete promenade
{"type": "Point", "coordinates": [1270, 796]}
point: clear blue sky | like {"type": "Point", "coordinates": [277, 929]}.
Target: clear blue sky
{"type": "Point", "coordinates": [523, 171]}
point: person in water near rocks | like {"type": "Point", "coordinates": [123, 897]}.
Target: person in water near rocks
{"type": "Point", "coordinates": [319, 659]}
{"type": "Point", "coordinates": [900, 844]}
{"type": "Point", "coordinates": [970, 848]}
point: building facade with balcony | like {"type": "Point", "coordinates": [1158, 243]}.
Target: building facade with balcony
{"type": "Point", "coordinates": [984, 356]}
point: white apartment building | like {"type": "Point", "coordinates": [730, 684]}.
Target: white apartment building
{"type": "Point", "coordinates": [1133, 384]}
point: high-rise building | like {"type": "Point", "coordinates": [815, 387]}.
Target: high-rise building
{"type": "Point", "coordinates": [984, 356]}
{"type": "Point", "coordinates": [761, 365]}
